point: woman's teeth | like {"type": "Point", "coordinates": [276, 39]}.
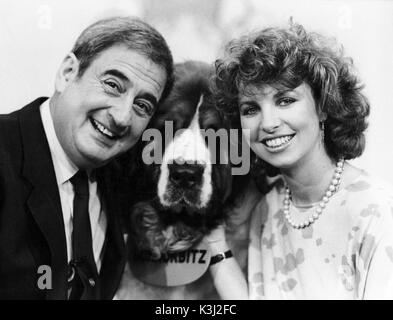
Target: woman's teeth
{"type": "Point", "coordinates": [278, 142]}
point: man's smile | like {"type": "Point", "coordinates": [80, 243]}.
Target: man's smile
{"type": "Point", "coordinates": [98, 126]}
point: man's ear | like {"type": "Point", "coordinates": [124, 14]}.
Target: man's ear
{"type": "Point", "coordinates": [67, 72]}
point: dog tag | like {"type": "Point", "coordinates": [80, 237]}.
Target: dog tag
{"type": "Point", "coordinates": [174, 269]}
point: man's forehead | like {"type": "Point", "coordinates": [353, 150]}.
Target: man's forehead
{"type": "Point", "coordinates": [130, 64]}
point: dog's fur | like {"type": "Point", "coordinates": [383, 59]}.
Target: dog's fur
{"type": "Point", "coordinates": [173, 205]}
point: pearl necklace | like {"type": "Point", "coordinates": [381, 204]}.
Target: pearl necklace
{"type": "Point", "coordinates": [333, 188]}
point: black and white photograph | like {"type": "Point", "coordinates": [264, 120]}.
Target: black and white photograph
{"type": "Point", "coordinates": [199, 150]}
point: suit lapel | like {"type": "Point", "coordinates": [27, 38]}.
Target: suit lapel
{"type": "Point", "coordinates": [44, 199]}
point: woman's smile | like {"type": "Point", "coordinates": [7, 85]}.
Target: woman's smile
{"type": "Point", "coordinates": [283, 124]}
{"type": "Point", "coordinates": [277, 143]}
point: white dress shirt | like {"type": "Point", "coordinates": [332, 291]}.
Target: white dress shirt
{"type": "Point", "coordinates": [65, 170]}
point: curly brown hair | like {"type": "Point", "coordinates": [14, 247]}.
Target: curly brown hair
{"type": "Point", "coordinates": [287, 57]}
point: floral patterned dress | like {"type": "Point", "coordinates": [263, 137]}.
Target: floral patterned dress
{"type": "Point", "coordinates": [346, 254]}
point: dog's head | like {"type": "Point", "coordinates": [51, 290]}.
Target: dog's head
{"type": "Point", "coordinates": [185, 176]}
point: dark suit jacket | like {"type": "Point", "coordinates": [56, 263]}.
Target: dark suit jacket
{"type": "Point", "coordinates": [31, 224]}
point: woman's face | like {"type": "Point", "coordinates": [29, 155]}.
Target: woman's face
{"type": "Point", "coordinates": [283, 125]}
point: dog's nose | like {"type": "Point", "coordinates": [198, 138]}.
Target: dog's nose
{"type": "Point", "coordinates": [186, 175]}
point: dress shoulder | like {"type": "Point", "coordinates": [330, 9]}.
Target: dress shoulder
{"type": "Point", "coordinates": [369, 202]}
{"type": "Point", "coordinates": [368, 189]}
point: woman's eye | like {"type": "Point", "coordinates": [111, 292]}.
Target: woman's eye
{"type": "Point", "coordinates": [248, 110]}
{"type": "Point", "coordinates": [285, 101]}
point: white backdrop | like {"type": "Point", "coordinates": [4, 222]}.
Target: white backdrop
{"type": "Point", "coordinates": [36, 34]}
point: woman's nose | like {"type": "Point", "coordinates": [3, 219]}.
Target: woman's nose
{"type": "Point", "coordinates": [270, 121]}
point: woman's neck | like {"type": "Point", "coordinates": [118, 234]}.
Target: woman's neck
{"type": "Point", "coordinates": [309, 179]}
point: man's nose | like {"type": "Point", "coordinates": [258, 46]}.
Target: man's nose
{"type": "Point", "coordinates": [121, 112]}
{"type": "Point", "coordinates": [270, 120]}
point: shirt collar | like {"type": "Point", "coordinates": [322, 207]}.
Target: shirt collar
{"type": "Point", "coordinates": [64, 167]}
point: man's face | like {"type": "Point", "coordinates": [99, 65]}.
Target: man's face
{"type": "Point", "coordinates": [103, 113]}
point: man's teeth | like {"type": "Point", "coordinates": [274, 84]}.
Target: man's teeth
{"type": "Point", "coordinates": [103, 130]}
{"type": "Point", "coordinates": [278, 142]}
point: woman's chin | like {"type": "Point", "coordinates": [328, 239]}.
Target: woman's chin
{"type": "Point", "coordinates": [281, 162]}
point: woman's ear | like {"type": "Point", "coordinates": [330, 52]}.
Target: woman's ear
{"type": "Point", "coordinates": [67, 72]}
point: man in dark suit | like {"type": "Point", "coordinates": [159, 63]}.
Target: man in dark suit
{"type": "Point", "coordinates": [60, 232]}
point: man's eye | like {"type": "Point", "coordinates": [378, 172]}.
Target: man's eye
{"type": "Point", "coordinates": [144, 107]}
{"type": "Point", "coordinates": [112, 85]}
{"type": "Point", "coordinates": [285, 101]}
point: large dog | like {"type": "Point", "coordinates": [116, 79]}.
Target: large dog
{"type": "Point", "coordinates": [178, 199]}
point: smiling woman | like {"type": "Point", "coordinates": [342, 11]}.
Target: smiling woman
{"type": "Point", "coordinates": [302, 111]}
{"type": "Point", "coordinates": [281, 120]}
